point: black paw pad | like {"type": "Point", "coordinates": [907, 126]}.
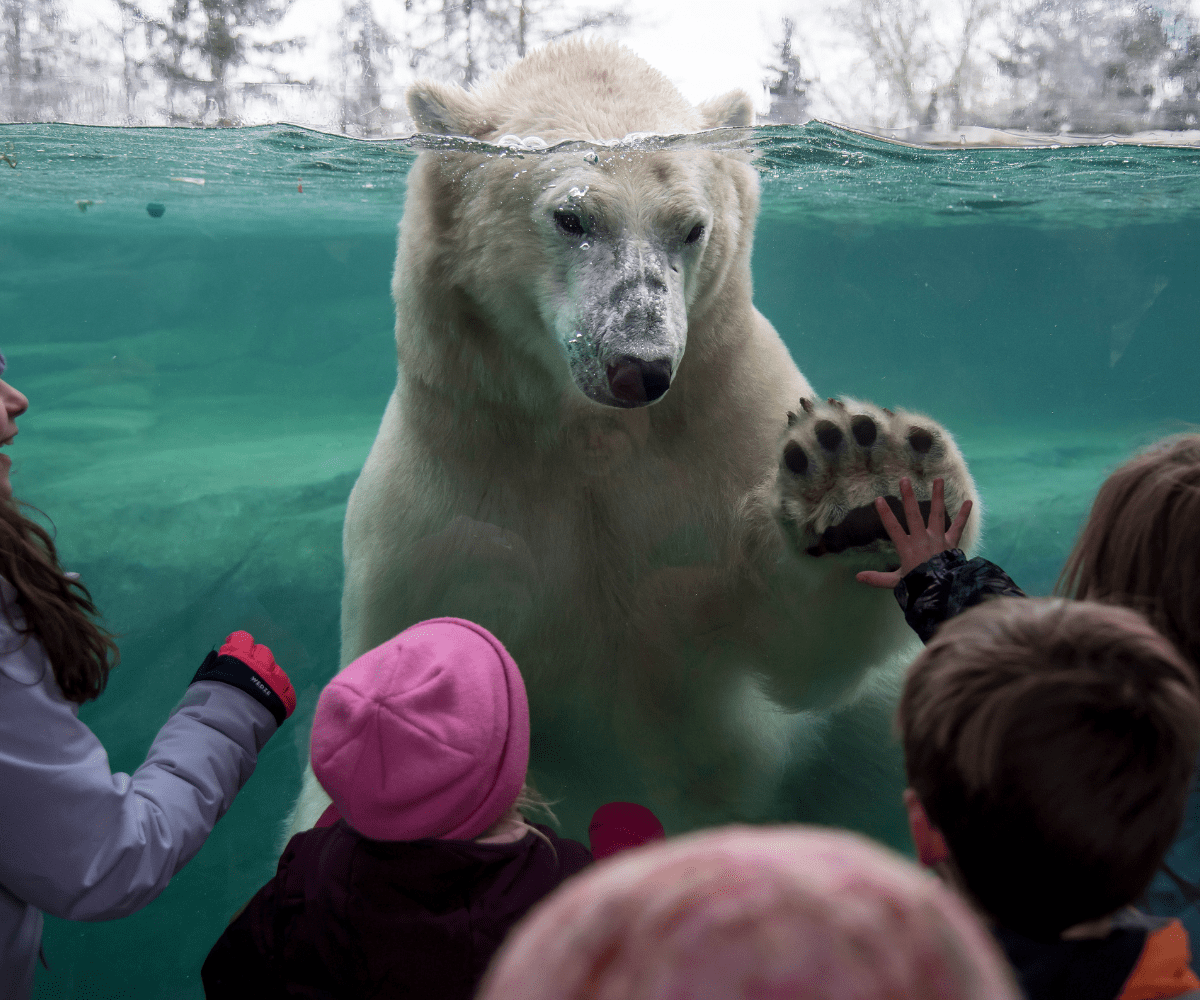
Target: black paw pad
{"type": "Point", "coordinates": [829, 435]}
{"type": "Point", "coordinates": [795, 459]}
{"type": "Point", "coordinates": [920, 440]}
{"type": "Point", "coordinates": [864, 430]}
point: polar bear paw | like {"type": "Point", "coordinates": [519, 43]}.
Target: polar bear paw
{"type": "Point", "coordinates": [837, 457]}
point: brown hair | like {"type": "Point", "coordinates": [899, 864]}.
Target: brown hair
{"type": "Point", "coordinates": [1141, 544]}
{"type": "Point", "coordinates": [56, 609]}
{"type": "Point", "coordinates": [1052, 742]}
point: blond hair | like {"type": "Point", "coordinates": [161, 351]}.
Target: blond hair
{"type": "Point", "coordinates": [529, 800]}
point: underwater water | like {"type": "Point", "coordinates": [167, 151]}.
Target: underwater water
{"type": "Point", "coordinates": [205, 382]}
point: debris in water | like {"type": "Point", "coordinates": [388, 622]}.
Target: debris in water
{"type": "Point", "coordinates": [155, 209]}
{"type": "Point", "coordinates": [300, 186]}
{"type": "Point", "coordinates": [82, 203]}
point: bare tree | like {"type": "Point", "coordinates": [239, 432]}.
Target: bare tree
{"type": "Point", "coordinates": [366, 63]}
{"type": "Point", "coordinates": [922, 60]}
{"type": "Point", "coordinates": [467, 40]}
{"type": "Point", "coordinates": [201, 43]}
{"type": "Point", "coordinates": [131, 36]}
{"type": "Point", "coordinates": [34, 83]}
{"type": "Point", "coordinates": [786, 85]}
{"type": "Point", "coordinates": [1101, 66]}
{"type": "Point", "coordinates": [1181, 105]}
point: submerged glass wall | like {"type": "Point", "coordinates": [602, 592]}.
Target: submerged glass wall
{"type": "Point", "coordinates": [202, 324]}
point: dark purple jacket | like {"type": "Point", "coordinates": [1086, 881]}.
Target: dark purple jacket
{"type": "Point", "coordinates": [346, 916]}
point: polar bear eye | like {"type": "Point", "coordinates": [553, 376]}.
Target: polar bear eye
{"type": "Point", "coordinates": [695, 234]}
{"type": "Point", "coordinates": [569, 222]}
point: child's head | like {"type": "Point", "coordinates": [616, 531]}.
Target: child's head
{"type": "Point", "coordinates": [739, 912]}
{"type": "Point", "coordinates": [426, 735]}
{"type": "Point", "coordinates": [1141, 544]}
{"type": "Point", "coordinates": [1051, 743]}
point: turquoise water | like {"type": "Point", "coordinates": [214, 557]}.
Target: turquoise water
{"type": "Point", "coordinates": [205, 385]}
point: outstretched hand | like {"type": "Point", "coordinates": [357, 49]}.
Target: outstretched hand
{"type": "Point", "coordinates": [922, 541]}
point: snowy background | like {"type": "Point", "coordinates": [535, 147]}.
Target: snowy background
{"type": "Point", "coordinates": [908, 66]}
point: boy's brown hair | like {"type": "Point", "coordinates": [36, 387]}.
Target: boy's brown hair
{"type": "Point", "coordinates": [1052, 743]}
{"type": "Point", "coordinates": [1140, 546]}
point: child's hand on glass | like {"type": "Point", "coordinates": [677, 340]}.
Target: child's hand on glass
{"type": "Point", "coordinates": [921, 543]}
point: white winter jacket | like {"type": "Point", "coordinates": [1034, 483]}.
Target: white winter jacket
{"type": "Point", "coordinates": [80, 842]}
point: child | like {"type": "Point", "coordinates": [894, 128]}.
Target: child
{"type": "Point", "coordinates": [1140, 547]}
{"type": "Point", "coordinates": [77, 840]}
{"type": "Point", "coordinates": [1049, 746]}
{"type": "Point", "coordinates": [422, 744]}
{"type": "Point", "coordinates": [789, 912]}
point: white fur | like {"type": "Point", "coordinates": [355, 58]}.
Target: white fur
{"type": "Point", "coordinates": [631, 559]}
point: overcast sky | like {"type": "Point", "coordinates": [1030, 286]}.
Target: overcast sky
{"type": "Point", "coordinates": [706, 47]}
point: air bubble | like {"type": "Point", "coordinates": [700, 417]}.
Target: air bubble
{"type": "Point", "coordinates": [584, 246]}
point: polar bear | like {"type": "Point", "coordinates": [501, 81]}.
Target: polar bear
{"type": "Point", "coordinates": [600, 450]}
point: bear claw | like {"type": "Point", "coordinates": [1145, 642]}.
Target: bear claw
{"type": "Point", "coordinates": [826, 492]}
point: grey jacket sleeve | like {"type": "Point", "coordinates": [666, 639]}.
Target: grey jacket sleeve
{"type": "Point", "coordinates": [83, 843]}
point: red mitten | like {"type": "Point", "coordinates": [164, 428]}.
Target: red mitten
{"type": "Point", "coordinates": [250, 666]}
{"type": "Point", "coordinates": [260, 659]}
{"type": "Point", "coordinates": [618, 826]}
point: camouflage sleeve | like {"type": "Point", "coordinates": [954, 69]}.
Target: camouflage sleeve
{"type": "Point", "coordinates": [947, 585]}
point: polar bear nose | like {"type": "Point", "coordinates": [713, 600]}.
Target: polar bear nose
{"type": "Point", "coordinates": [634, 382]}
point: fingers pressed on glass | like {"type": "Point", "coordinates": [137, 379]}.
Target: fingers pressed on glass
{"type": "Point", "coordinates": [890, 524]}
{"type": "Point", "coordinates": [937, 506]}
{"type": "Point", "coordinates": [912, 510]}
{"type": "Point", "coordinates": [954, 534]}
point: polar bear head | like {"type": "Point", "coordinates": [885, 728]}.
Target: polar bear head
{"type": "Point", "coordinates": [580, 248]}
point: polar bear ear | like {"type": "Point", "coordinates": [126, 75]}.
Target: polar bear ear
{"type": "Point", "coordinates": [734, 108]}
{"type": "Point", "coordinates": [442, 109]}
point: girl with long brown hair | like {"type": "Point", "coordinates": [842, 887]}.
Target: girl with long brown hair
{"type": "Point", "coordinates": [77, 840]}
{"type": "Point", "coordinates": [1139, 548]}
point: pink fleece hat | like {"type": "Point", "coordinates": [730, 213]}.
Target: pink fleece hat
{"type": "Point", "coordinates": [751, 913]}
{"type": "Point", "coordinates": [426, 735]}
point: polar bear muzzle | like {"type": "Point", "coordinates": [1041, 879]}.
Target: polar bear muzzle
{"type": "Point", "coordinates": [634, 382]}
{"type": "Point", "coordinates": [628, 318]}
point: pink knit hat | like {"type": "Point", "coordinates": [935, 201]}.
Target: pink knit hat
{"type": "Point", "coordinates": [426, 735]}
